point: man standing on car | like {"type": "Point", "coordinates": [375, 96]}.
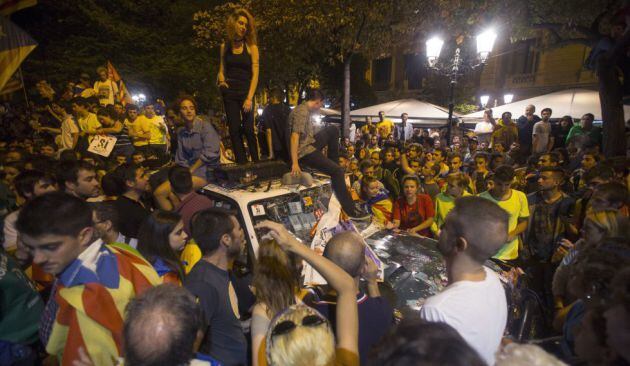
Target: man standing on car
{"type": "Point", "coordinates": [306, 149]}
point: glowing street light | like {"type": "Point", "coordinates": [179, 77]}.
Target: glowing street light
{"type": "Point", "coordinates": [434, 48]}
{"type": "Point", "coordinates": [485, 43]}
{"type": "Point", "coordinates": [507, 98]}
{"type": "Point", "coordinates": [484, 100]}
{"type": "Point", "coordinates": [260, 111]}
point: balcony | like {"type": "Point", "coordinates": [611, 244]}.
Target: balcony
{"type": "Point", "coordinates": [521, 80]}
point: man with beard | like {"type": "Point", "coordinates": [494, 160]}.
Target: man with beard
{"type": "Point", "coordinates": [220, 238]}
{"type": "Point", "coordinates": [550, 216]}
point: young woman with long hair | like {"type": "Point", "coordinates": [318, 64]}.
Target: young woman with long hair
{"type": "Point", "coordinates": [237, 79]}
{"type": "Point", "coordinates": [161, 238]}
{"type": "Point", "coordinates": [276, 285]}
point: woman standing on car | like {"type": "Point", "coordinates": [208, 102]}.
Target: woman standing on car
{"type": "Point", "coordinates": [237, 79]}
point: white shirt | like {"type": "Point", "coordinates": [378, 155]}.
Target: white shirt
{"type": "Point", "coordinates": [10, 232]}
{"type": "Point", "coordinates": [477, 310]}
{"type": "Point", "coordinates": [68, 127]}
{"type": "Point", "coordinates": [543, 131]}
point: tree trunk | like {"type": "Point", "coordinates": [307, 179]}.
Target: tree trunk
{"type": "Point", "coordinates": [345, 106]}
{"type": "Point", "coordinates": [611, 99]}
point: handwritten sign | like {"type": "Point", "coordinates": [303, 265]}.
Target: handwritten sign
{"type": "Point", "coordinates": [102, 145]}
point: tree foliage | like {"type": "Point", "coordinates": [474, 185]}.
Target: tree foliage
{"type": "Point", "coordinates": [148, 41]}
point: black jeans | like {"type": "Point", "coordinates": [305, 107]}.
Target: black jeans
{"type": "Point", "coordinates": [329, 136]}
{"type": "Point", "coordinates": [239, 123]}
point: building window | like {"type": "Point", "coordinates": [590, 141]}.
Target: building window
{"type": "Point", "coordinates": [414, 71]}
{"type": "Point", "coordinates": [525, 58]}
{"type": "Point", "coordinates": [382, 73]}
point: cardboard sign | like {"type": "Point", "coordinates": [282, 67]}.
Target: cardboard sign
{"type": "Point", "coordinates": [102, 145]}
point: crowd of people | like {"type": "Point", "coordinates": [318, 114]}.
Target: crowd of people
{"type": "Point", "coordinates": [110, 255]}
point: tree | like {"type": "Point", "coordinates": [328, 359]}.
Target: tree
{"type": "Point", "coordinates": [148, 41]}
{"type": "Point", "coordinates": [565, 22]}
{"type": "Point", "coordinates": [297, 37]}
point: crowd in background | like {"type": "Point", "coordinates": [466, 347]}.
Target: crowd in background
{"type": "Point", "coordinates": [563, 221]}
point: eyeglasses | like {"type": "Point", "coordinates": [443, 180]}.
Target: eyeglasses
{"type": "Point", "coordinates": [288, 326]}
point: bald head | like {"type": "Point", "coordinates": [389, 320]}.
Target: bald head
{"type": "Point", "coordinates": [347, 251]}
{"type": "Point", "coordinates": [172, 318]}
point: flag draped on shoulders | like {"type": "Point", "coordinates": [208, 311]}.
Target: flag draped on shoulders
{"type": "Point", "coordinates": [15, 45]}
{"type": "Point", "coordinates": [92, 294]}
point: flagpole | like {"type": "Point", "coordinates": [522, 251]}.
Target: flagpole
{"type": "Point", "coordinates": [23, 86]}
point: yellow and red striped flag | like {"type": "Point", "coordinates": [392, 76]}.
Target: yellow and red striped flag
{"type": "Point", "coordinates": [123, 94]}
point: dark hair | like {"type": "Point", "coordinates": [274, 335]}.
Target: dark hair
{"type": "Point", "coordinates": [604, 172]}
{"type": "Point", "coordinates": [554, 169]}
{"type": "Point", "coordinates": [365, 164]}
{"type": "Point", "coordinates": [180, 179]}
{"type": "Point", "coordinates": [108, 111]}
{"type": "Point", "coordinates": [481, 155]}
{"type": "Point", "coordinates": [614, 193]}
{"type": "Point", "coordinates": [164, 304]}
{"type": "Point", "coordinates": [63, 104]}
{"type": "Point", "coordinates": [208, 227]}
{"type": "Point", "coordinates": [55, 213]}
{"type": "Point", "coordinates": [411, 177]}
{"type": "Point", "coordinates": [546, 109]}
{"type": "Point", "coordinates": [133, 107]}
{"type": "Point", "coordinates": [68, 155]}
{"type": "Point", "coordinates": [276, 93]}
{"type": "Point", "coordinates": [479, 221]}
{"type": "Point", "coordinates": [590, 115]}
{"type": "Point", "coordinates": [126, 172]}
{"type": "Point", "coordinates": [189, 98]}
{"type": "Point", "coordinates": [315, 94]}
{"type": "Point", "coordinates": [81, 102]}
{"type": "Point", "coordinates": [25, 182]}
{"type": "Point", "coordinates": [422, 343]}
{"type": "Point", "coordinates": [111, 185]}
{"type": "Point", "coordinates": [504, 174]}
{"type": "Point", "coordinates": [153, 240]}
{"type": "Point", "coordinates": [553, 156]}
{"type": "Point", "coordinates": [106, 211]}
{"type": "Point", "coordinates": [68, 171]}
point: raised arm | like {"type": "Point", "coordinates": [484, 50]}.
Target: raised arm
{"type": "Point", "coordinates": [347, 314]}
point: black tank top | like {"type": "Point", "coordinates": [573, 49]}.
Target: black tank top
{"type": "Point", "coordinates": [238, 68]}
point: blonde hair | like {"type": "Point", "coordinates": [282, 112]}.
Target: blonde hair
{"type": "Point", "coordinates": [515, 354]}
{"type": "Point", "coordinates": [607, 221]}
{"type": "Point", "coordinates": [230, 26]}
{"type": "Point", "coordinates": [276, 277]}
{"type": "Point", "coordinates": [304, 345]}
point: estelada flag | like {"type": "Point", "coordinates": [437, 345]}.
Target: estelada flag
{"type": "Point", "coordinates": [11, 6]}
{"type": "Point", "coordinates": [15, 45]}
{"type": "Point", "coordinates": [123, 95]}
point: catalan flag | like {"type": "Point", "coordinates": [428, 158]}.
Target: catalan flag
{"type": "Point", "coordinates": [15, 45]}
{"type": "Point", "coordinates": [12, 85]}
{"type": "Point", "coordinates": [91, 295]}
{"type": "Point", "coordinates": [8, 7]}
{"type": "Point", "coordinates": [123, 95]}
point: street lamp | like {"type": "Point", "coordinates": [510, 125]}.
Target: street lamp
{"type": "Point", "coordinates": [484, 100]}
{"type": "Point", "coordinates": [434, 47]}
{"type": "Point", "coordinates": [507, 98]}
{"type": "Point", "coordinates": [485, 43]}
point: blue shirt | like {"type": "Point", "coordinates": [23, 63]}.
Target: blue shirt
{"type": "Point", "coordinates": [199, 142]}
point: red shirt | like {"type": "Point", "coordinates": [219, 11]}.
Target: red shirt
{"type": "Point", "coordinates": [413, 215]}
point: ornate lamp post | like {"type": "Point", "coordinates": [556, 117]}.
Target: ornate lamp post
{"type": "Point", "coordinates": [485, 43]}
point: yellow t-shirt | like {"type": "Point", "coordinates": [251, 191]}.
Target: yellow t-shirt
{"type": "Point", "coordinates": [156, 127]}
{"type": "Point", "coordinates": [138, 127]}
{"type": "Point", "coordinates": [516, 206]}
{"type": "Point", "coordinates": [385, 128]}
{"type": "Point", "coordinates": [89, 124]}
